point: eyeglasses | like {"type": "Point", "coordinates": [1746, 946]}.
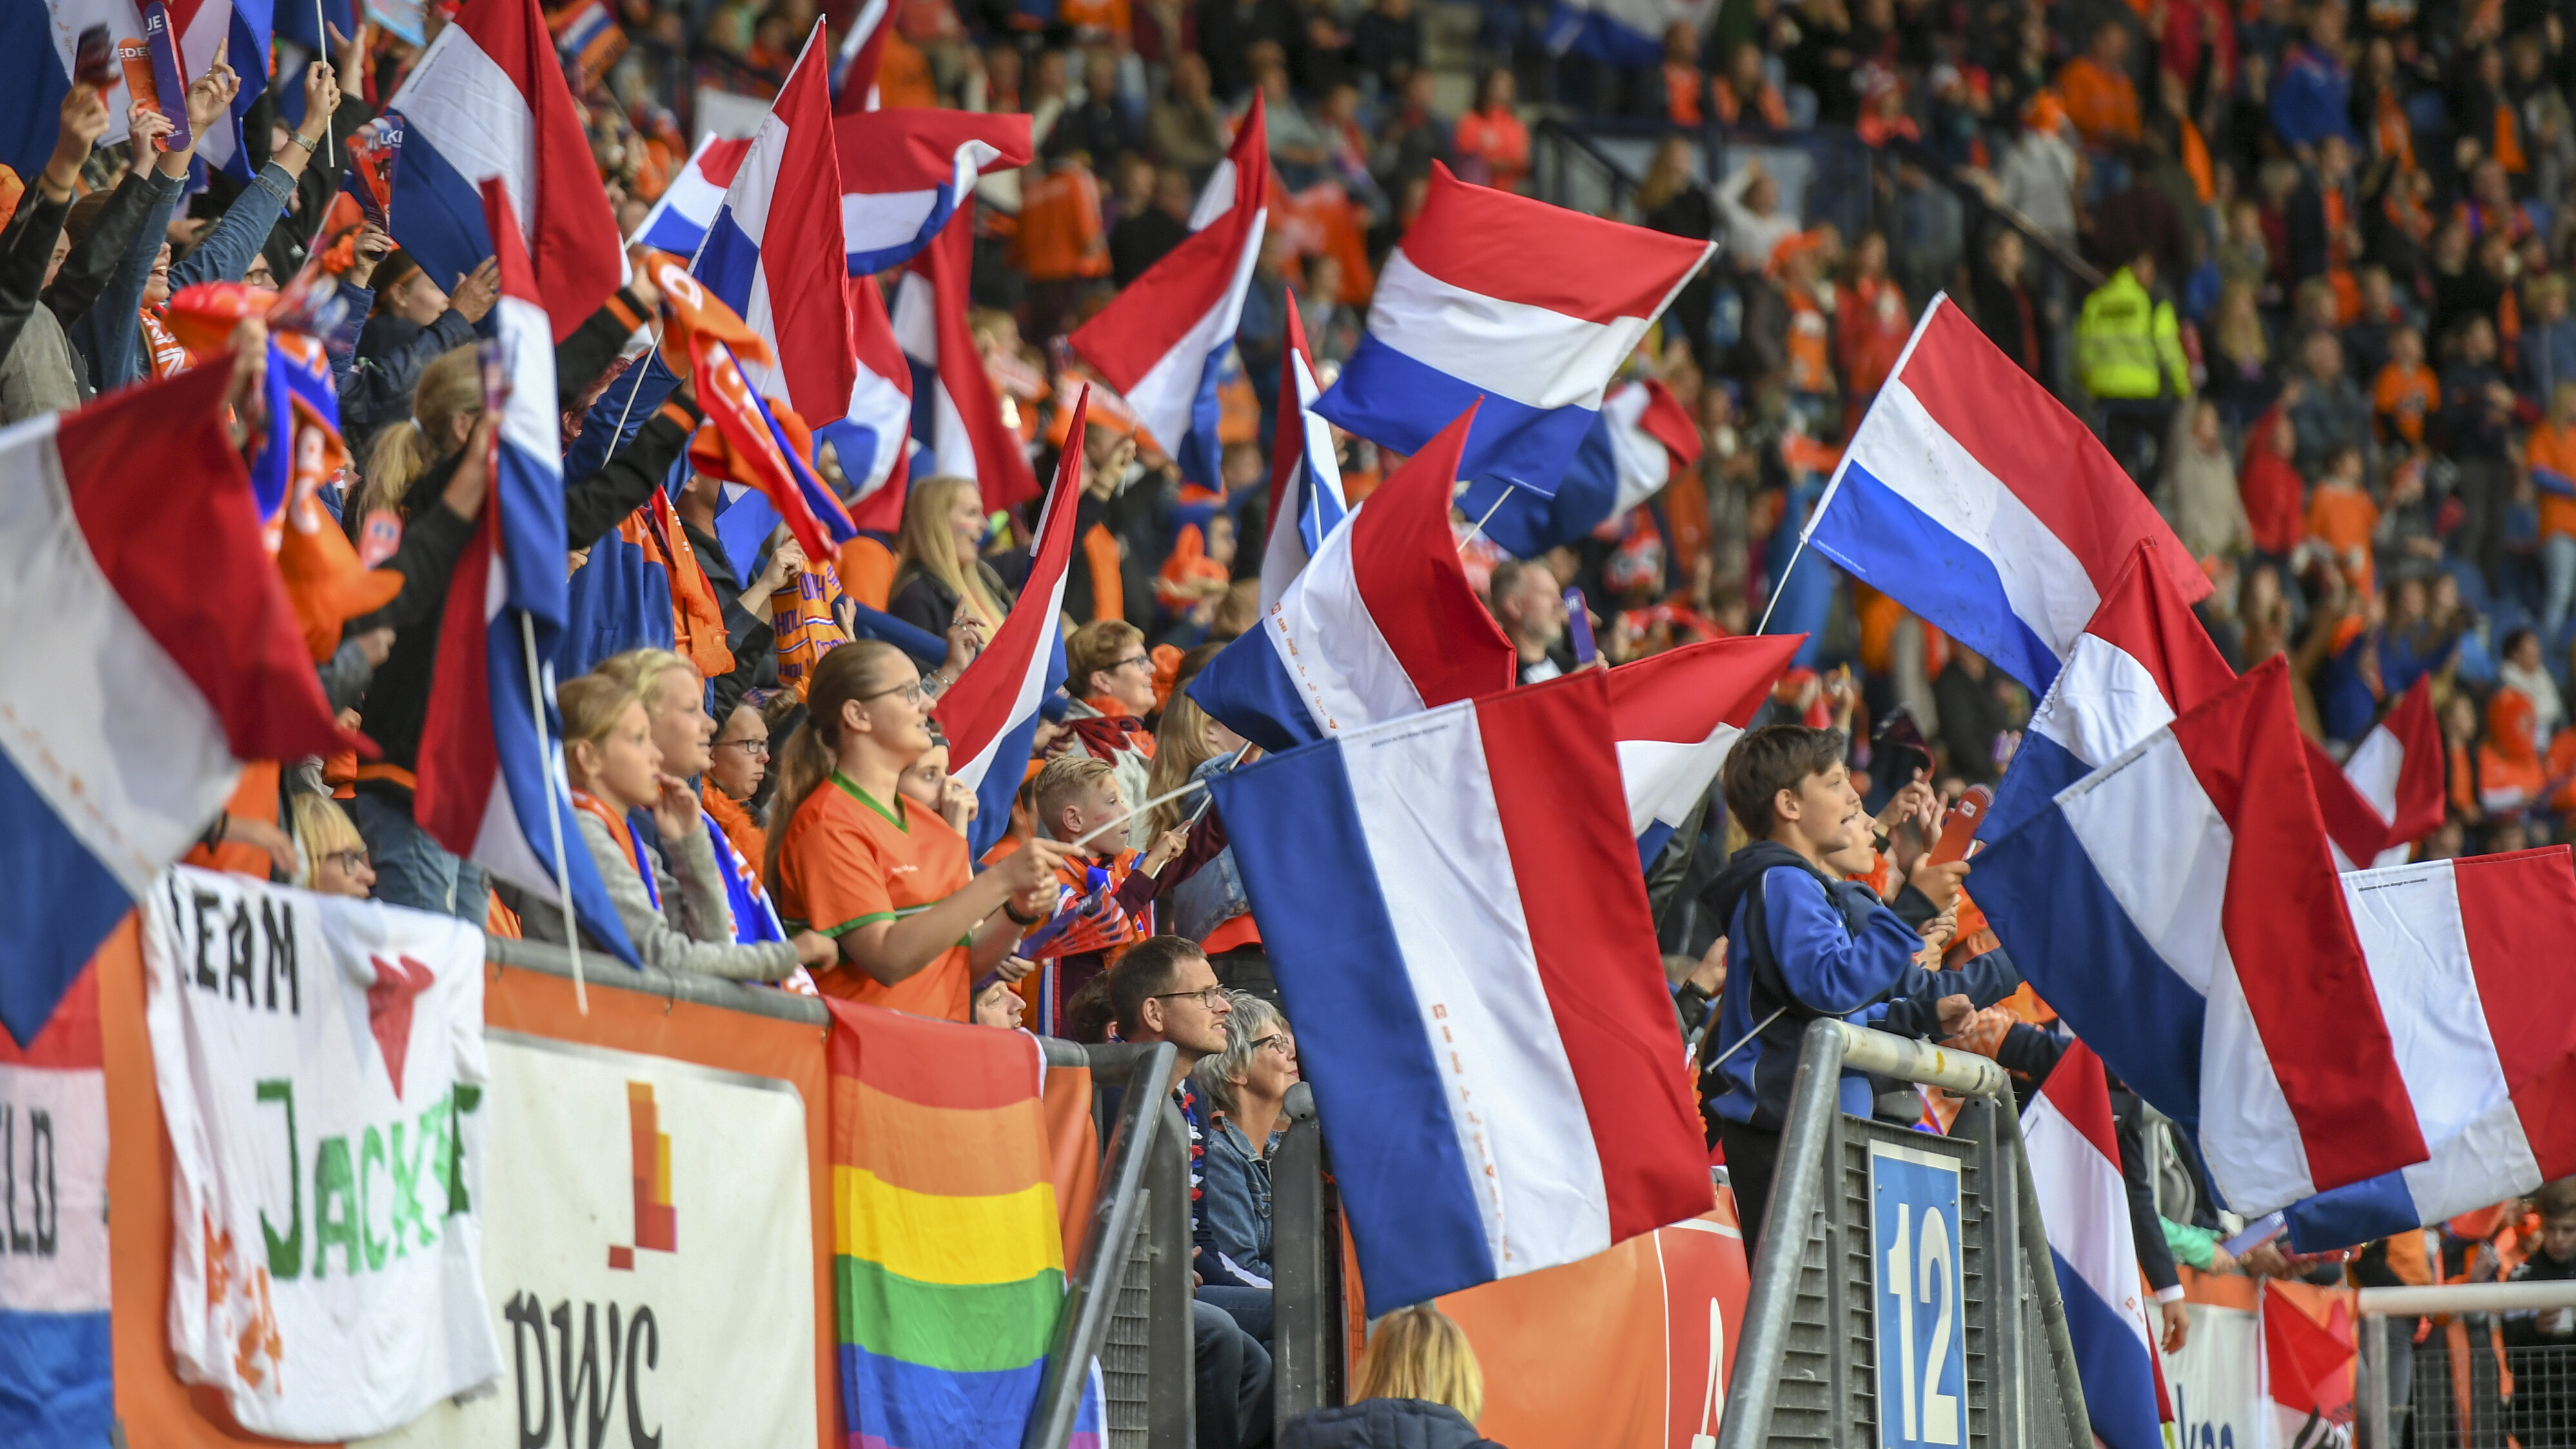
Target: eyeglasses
{"type": "Point", "coordinates": [347, 862]}
{"type": "Point", "coordinates": [751, 749]}
{"type": "Point", "coordinates": [1279, 1042]}
{"type": "Point", "coordinates": [1145, 659]}
{"type": "Point", "coordinates": [911, 691]}
{"type": "Point", "coordinates": [1209, 998]}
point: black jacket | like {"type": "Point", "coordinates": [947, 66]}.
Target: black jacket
{"type": "Point", "coordinates": [1384, 1424]}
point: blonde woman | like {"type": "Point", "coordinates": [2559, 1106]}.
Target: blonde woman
{"type": "Point", "coordinates": [1418, 1388]}
{"type": "Point", "coordinates": [939, 560]}
{"type": "Point", "coordinates": [334, 859]}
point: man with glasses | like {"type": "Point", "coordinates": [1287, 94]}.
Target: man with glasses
{"type": "Point", "coordinates": [1165, 990]}
{"type": "Point", "coordinates": [1110, 674]}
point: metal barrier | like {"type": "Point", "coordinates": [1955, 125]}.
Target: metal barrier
{"type": "Point", "coordinates": [1308, 1319]}
{"type": "Point", "coordinates": [1127, 1302]}
{"type": "Point", "coordinates": [1808, 1366]}
{"type": "Point", "coordinates": [2465, 1387]}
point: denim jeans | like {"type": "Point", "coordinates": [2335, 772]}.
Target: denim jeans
{"type": "Point", "coordinates": [412, 869]}
{"type": "Point", "coordinates": [2558, 566]}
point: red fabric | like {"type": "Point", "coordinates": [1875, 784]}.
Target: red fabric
{"type": "Point", "coordinates": [2311, 1364]}
{"type": "Point", "coordinates": [1002, 471]}
{"type": "Point", "coordinates": [1154, 315]}
{"type": "Point", "coordinates": [579, 256]}
{"type": "Point", "coordinates": [1405, 562]}
{"type": "Point", "coordinates": [981, 705]}
{"type": "Point", "coordinates": [2517, 910]}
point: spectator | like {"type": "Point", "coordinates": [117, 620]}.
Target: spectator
{"type": "Point", "coordinates": [2005, 309]}
{"type": "Point", "coordinates": [1744, 95]}
{"type": "Point", "coordinates": [1491, 136]}
{"type": "Point", "coordinates": [1414, 138]}
{"type": "Point", "coordinates": [1299, 148]}
{"type": "Point", "coordinates": [2522, 671]}
{"type": "Point", "coordinates": [1386, 44]}
{"type": "Point", "coordinates": [1683, 96]}
{"type": "Point", "coordinates": [889, 884]}
{"type": "Point", "coordinates": [2405, 392]}
{"type": "Point", "coordinates": [1165, 991]}
{"type": "Point", "coordinates": [2343, 518]}
{"type": "Point", "coordinates": [1976, 707]}
{"type": "Point", "coordinates": [675, 913]}
{"type": "Point", "coordinates": [2039, 170]}
{"type": "Point", "coordinates": [414, 321]}
{"type": "Point", "coordinates": [737, 761]}
{"type": "Point", "coordinates": [1185, 128]}
{"type": "Point", "coordinates": [334, 857]}
{"type": "Point", "coordinates": [940, 571]}
{"type": "Point", "coordinates": [1756, 224]}
{"type": "Point", "coordinates": [2095, 88]}
{"type": "Point", "coordinates": [1246, 1087]}
{"type": "Point", "coordinates": [1673, 200]}
{"type": "Point", "coordinates": [2548, 346]}
{"type": "Point", "coordinates": [36, 371]}
{"type": "Point", "coordinates": [2201, 500]}
{"type": "Point", "coordinates": [1111, 675]}
{"type": "Point", "coordinates": [2329, 414]}
{"type": "Point", "coordinates": [2550, 453]}
{"type": "Point", "coordinates": [1531, 609]}
{"type": "Point", "coordinates": [1418, 1387]}
{"type": "Point", "coordinates": [2537, 1344]}
{"type": "Point", "coordinates": [1139, 241]}
{"type": "Point", "coordinates": [2477, 414]}
{"type": "Point", "coordinates": [2312, 99]}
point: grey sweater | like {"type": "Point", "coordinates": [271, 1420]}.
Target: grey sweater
{"type": "Point", "coordinates": [693, 930]}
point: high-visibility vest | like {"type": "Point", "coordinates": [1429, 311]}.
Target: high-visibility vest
{"type": "Point", "coordinates": [2124, 339]}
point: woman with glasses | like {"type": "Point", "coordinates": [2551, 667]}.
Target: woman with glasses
{"type": "Point", "coordinates": [737, 762]}
{"type": "Point", "coordinates": [1247, 1085]}
{"type": "Point", "coordinates": [889, 882]}
{"type": "Point", "coordinates": [334, 857]}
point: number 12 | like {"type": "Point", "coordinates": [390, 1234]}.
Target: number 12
{"type": "Point", "coordinates": [1939, 1419]}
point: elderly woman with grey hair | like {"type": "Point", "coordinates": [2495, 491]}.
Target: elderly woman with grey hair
{"type": "Point", "coordinates": [1247, 1086]}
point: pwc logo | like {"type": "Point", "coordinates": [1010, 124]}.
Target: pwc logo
{"type": "Point", "coordinates": [656, 1220]}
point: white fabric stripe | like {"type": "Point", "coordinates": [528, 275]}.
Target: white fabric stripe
{"type": "Point", "coordinates": [502, 847]}
{"type": "Point", "coordinates": [1533, 356]}
{"type": "Point", "coordinates": [757, 182]}
{"type": "Point", "coordinates": [2084, 1204]}
{"type": "Point", "coordinates": [1216, 199]}
{"type": "Point", "coordinates": [1904, 447]}
{"type": "Point", "coordinates": [916, 323]}
{"type": "Point", "coordinates": [469, 110]}
{"type": "Point", "coordinates": [1284, 552]}
{"type": "Point", "coordinates": [769, 379]}
{"type": "Point", "coordinates": [1330, 645]}
{"type": "Point", "coordinates": [2417, 949]}
{"type": "Point", "coordinates": [2102, 702]}
{"type": "Point", "coordinates": [528, 419]}
{"type": "Point", "coordinates": [1426, 807]}
{"type": "Point", "coordinates": [1032, 689]}
{"type": "Point", "coordinates": [2161, 849]}
{"type": "Point", "coordinates": [1665, 778]}
{"type": "Point", "coordinates": [1163, 396]}
{"type": "Point", "coordinates": [1644, 463]}
{"type": "Point", "coordinates": [695, 198]}
{"type": "Point", "coordinates": [71, 1274]}
{"type": "Point", "coordinates": [2374, 767]}
{"type": "Point", "coordinates": [206, 33]}
{"type": "Point", "coordinates": [95, 715]}
{"type": "Point", "coordinates": [874, 220]}
{"type": "Point", "coordinates": [878, 403]}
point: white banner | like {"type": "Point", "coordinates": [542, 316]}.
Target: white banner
{"type": "Point", "coordinates": [2219, 1397]}
{"type": "Point", "coordinates": [320, 1064]}
{"type": "Point", "coordinates": [650, 1256]}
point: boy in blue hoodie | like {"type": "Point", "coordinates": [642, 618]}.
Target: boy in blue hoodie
{"type": "Point", "coordinates": [1805, 943]}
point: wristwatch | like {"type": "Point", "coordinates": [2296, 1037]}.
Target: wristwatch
{"type": "Point", "coordinates": [308, 143]}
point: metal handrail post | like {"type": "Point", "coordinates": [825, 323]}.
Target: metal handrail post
{"type": "Point", "coordinates": [1770, 1299]}
{"type": "Point", "coordinates": [2374, 1367]}
{"type": "Point", "coordinates": [1301, 1275]}
{"type": "Point", "coordinates": [1171, 1350]}
{"type": "Point", "coordinates": [1089, 1300]}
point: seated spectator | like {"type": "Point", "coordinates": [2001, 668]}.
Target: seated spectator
{"type": "Point", "coordinates": [2405, 392]}
{"type": "Point", "coordinates": [1682, 95]}
{"type": "Point", "coordinates": [2312, 97]}
{"type": "Point", "coordinates": [1491, 137]}
{"type": "Point", "coordinates": [333, 856]}
{"type": "Point", "coordinates": [1301, 151]}
{"type": "Point", "coordinates": [2343, 518]}
{"type": "Point", "coordinates": [676, 913]}
{"type": "Point", "coordinates": [891, 884]}
{"type": "Point", "coordinates": [2099, 96]}
{"type": "Point", "coordinates": [2520, 668]}
{"type": "Point", "coordinates": [1165, 991]}
{"type": "Point", "coordinates": [2548, 345]}
{"type": "Point", "coordinates": [1413, 138]}
{"type": "Point", "coordinates": [737, 761]}
{"type": "Point", "coordinates": [1418, 1387]}
{"type": "Point", "coordinates": [1111, 676]}
{"type": "Point", "coordinates": [2330, 414]}
{"type": "Point", "coordinates": [1246, 1087]}
{"type": "Point", "coordinates": [1744, 95]}
{"type": "Point", "coordinates": [940, 571]}
{"type": "Point", "coordinates": [1186, 128]}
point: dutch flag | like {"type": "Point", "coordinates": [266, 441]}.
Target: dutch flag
{"type": "Point", "coordinates": [955, 415]}
{"type": "Point", "coordinates": [37, 38]}
{"type": "Point", "coordinates": [2074, 1153]}
{"type": "Point", "coordinates": [1675, 716]}
{"type": "Point", "coordinates": [492, 783]}
{"type": "Point", "coordinates": [904, 174]}
{"type": "Point", "coordinates": [1641, 439]}
{"type": "Point", "coordinates": [1305, 476]}
{"type": "Point", "coordinates": [1528, 306]}
{"type": "Point", "coordinates": [1160, 341]}
{"type": "Point", "coordinates": [1381, 624]}
{"type": "Point", "coordinates": [678, 222]}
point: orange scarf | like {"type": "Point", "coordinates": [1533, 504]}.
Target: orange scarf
{"type": "Point", "coordinates": [618, 831]}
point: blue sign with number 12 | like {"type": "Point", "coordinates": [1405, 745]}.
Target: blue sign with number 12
{"type": "Point", "coordinates": [1922, 1348]}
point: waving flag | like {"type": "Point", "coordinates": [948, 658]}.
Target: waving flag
{"type": "Point", "coordinates": [2397, 771]}
{"type": "Point", "coordinates": [486, 100]}
{"type": "Point", "coordinates": [764, 447]}
{"type": "Point", "coordinates": [854, 71]}
{"type": "Point", "coordinates": [1382, 623]}
{"type": "Point", "coordinates": [1305, 475]}
{"type": "Point", "coordinates": [1676, 714]}
{"type": "Point", "coordinates": [2486, 1046]}
{"type": "Point", "coordinates": [2074, 1153]}
{"type": "Point", "coordinates": [1622, 32]}
{"type": "Point", "coordinates": [489, 778]}
{"type": "Point", "coordinates": [1639, 441]}
{"type": "Point", "coordinates": [904, 174]}
{"type": "Point", "coordinates": [58, 1380]}
{"type": "Point", "coordinates": [678, 222]}
{"type": "Point", "coordinates": [2179, 908]}
{"type": "Point", "coordinates": [1483, 1002]}
{"type": "Point", "coordinates": [991, 713]}
{"type": "Point", "coordinates": [1528, 306]}
{"type": "Point", "coordinates": [37, 38]}
{"type": "Point", "coordinates": [1159, 341]}
{"type": "Point", "coordinates": [955, 414]}
{"type": "Point", "coordinates": [132, 690]}
{"type": "Point", "coordinates": [1975, 499]}
{"type": "Point", "coordinates": [874, 442]}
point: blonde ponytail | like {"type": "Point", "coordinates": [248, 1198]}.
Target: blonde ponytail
{"type": "Point", "coordinates": [451, 387]}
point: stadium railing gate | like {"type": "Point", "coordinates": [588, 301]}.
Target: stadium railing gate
{"type": "Point", "coordinates": [2463, 1389]}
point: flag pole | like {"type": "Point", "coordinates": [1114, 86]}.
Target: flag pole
{"type": "Point", "coordinates": [554, 817]}
{"type": "Point", "coordinates": [322, 41]}
{"type": "Point", "coordinates": [1123, 817]}
{"type": "Point", "coordinates": [617, 434]}
{"type": "Point", "coordinates": [1488, 518]}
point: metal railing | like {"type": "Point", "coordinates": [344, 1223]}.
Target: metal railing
{"type": "Point", "coordinates": [1806, 1368]}
{"type": "Point", "coordinates": [2469, 1384]}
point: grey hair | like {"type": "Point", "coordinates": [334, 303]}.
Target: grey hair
{"type": "Point", "coordinates": [1250, 1020]}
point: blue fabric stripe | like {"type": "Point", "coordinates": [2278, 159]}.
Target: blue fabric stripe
{"type": "Point", "coordinates": [2081, 952]}
{"type": "Point", "coordinates": [1589, 32]}
{"type": "Point", "coordinates": [728, 262]}
{"type": "Point", "coordinates": [1305, 861]}
{"type": "Point", "coordinates": [1526, 525]}
{"type": "Point", "coordinates": [674, 233]}
{"type": "Point", "coordinates": [1400, 403]}
{"type": "Point", "coordinates": [1248, 690]}
{"type": "Point", "coordinates": [869, 263]}
{"type": "Point", "coordinates": [1200, 454]}
{"type": "Point", "coordinates": [911, 1407]}
{"type": "Point", "coordinates": [66, 904]}
{"type": "Point", "coordinates": [2119, 1384]}
{"type": "Point", "coordinates": [531, 495]}
{"type": "Point", "coordinates": [2040, 768]}
{"type": "Point", "coordinates": [32, 86]}
{"type": "Point", "coordinates": [1894, 547]}
{"type": "Point", "coordinates": [2354, 1213]}
{"type": "Point", "coordinates": [437, 215]}
{"type": "Point", "coordinates": [1651, 844]}
{"type": "Point", "coordinates": [743, 526]}
{"type": "Point", "coordinates": [532, 779]}
{"type": "Point", "coordinates": [57, 1385]}
{"type": "Point", "coordinates": [1002, 781]}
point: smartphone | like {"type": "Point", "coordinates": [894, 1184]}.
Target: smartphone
{"type": "Point", "coordinates": [94, 59]}
{"type": "Point", "coordinates": [1579, 619]}
{"type": "Point", "coordinates": [1959, 827]}
{"type": "Point", "coordinates": [168, 79]}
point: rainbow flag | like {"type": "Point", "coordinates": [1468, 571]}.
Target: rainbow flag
{"type": "Point", "coordinates": [948, 1256]}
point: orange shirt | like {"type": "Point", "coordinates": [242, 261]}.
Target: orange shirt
{"type": "Point", "coordinates": [2554, 448]}
{"type": "Point", "coordinates": [2343, 518]}
{"type": "Point", "coordinates": [1061, 235]}
{"type": "Point", "coordinates": [2102, 104]}
{"type": "Point", "coordinates": [1810, 346]}
{"type": "Point", "coordinates": [2402, 397]}
{"type": "Point", "coordinates": [849, 862]}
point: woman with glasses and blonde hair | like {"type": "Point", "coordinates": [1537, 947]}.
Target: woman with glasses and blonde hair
{"type": "Point", "coordinates": [1247, 1087]}
{"type": "Point", "coordinates": [850, 857]}
{"type": "Point", "coordinates": [334, 857]}
{"type": "Point", "coordinates": [1418, 1388]}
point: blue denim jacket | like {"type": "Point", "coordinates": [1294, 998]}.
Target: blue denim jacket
{"type": "Point", "coordinates": [1213, 894]}
{"type": "Point", "coordinates": [1234, 1209]}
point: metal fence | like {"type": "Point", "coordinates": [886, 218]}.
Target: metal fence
{"type": "Point", "coordinates": [2495, 1368]}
